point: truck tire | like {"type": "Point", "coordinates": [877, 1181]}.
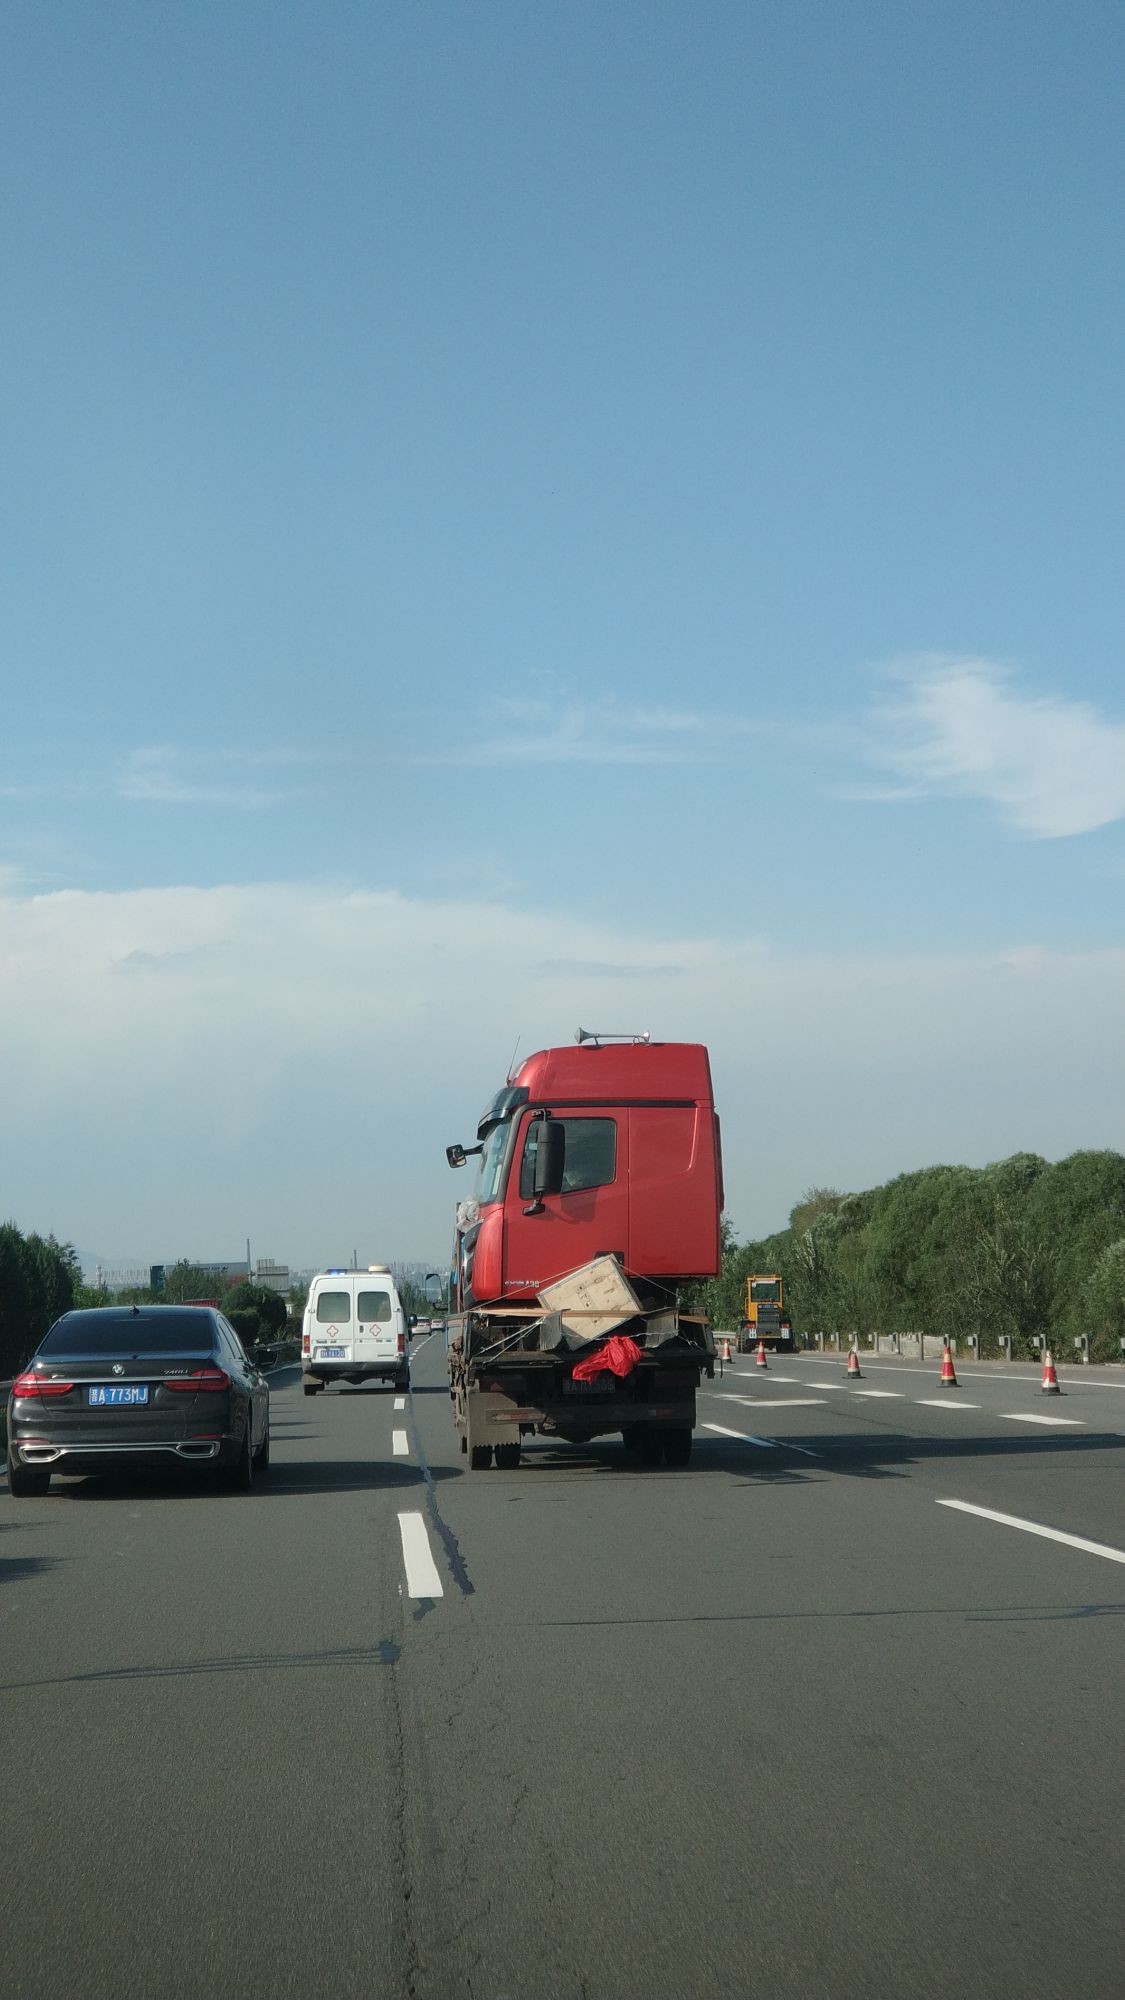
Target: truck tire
{"type": "Point", "coordinates": [677, 1448]}
{"type": "Point", "coordinates": [480, 1457]}
{"type": "Point", "coordinates": [649, 1446]}
{"type": "Point", "coordinates": [507, 1457]}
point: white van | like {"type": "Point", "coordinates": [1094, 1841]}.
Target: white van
{"type": "Point", "coordinates": [354, 1330]}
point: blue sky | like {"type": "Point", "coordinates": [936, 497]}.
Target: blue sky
{"type": "Point", "coordinates": [517, 516]}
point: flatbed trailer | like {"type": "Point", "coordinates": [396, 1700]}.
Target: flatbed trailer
{"type": "Point", "coordinates": [511, 1376]}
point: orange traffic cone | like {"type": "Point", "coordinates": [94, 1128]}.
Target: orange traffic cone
{"type": "Point", "coordinates": [760, 1358]}
{"type": "Point", "coordinates": [724, 1350]}
{"type": "Point", "coordinates": [1050, 1382]}
{"type": "Point", "coordinates": [948, 1372]}
{"type": "Point", "coordinates": [855, 1374]}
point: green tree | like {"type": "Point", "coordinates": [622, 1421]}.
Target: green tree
{"type": "Point", "coordinates": [185, 1281]}
{"type": "Point", "coordinates": [814, 1203]}
{"type": "Point", "coordinates": [1103, 1303]}
{"type": "Point", "coordinates": [38, 1276]}
{"type": "Point", "coordinates": [15, 1301]}
{"type": "Point", "coordinates": [255, 1312]}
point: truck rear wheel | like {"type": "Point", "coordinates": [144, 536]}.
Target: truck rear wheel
{"type": "Point", "coordinates": [649, 1445]}
{"type": "Point", "coordinates": [480, 1457]}
{"type": "Point", "coordinates": [677, 1448]}
{"type": "Point", "coordinates": [507, 1457]}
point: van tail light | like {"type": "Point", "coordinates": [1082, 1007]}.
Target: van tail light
{"type": "Point", "coordinates": [402, 1343]}
{"type": "Point", "coordinates": [203, 1381]}
{"type": "Point", "coordinates": [29, 1384]}
{"type": "Point", "coordinates": [306, 1343]}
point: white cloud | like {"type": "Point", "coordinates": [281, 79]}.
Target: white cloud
{"type": "Point", "coordinates": [162, 774]}
{"type": "Point", "coordinates": [184, 1067]}
{"type": "Point", "coordinates": [555, 728]}
{"type": "Point", "coordinates": [1050, 766]}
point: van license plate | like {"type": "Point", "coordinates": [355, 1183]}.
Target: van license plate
{"type": "Point", "coordinates": [330, 1353]}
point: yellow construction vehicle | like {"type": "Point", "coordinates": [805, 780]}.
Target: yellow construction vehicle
{"type": "Point", "coordinates": [765, 1318]}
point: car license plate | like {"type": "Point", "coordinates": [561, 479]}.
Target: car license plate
{"type": "Point", "coordinates": [330, 1353]}
{"type": "Point", "coordinates": [117, 1392]}
{"type": "Point", "coordinates": [601, 1385]}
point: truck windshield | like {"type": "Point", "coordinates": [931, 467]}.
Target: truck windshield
{"type": "Point", "coordinates": [764, 1291]}
{"type": "Point", "coordinates": [492, 1162]}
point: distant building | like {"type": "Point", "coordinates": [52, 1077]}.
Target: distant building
{"type": "Point", "coordinates": [231, 1274]}
{"type": "Point", "coordinates": [124, 1277]}
{"type": "Point", "coordinates": [275, 1277]}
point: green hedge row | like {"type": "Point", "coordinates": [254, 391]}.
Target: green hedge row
{"type": "Point", "coordinates": [1021, 1249]}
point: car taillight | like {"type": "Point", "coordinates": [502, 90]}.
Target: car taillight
{"type": "Point", "coordinates": [31, 1384]}
{"type": "Point", "coordinates": [202, 1381]}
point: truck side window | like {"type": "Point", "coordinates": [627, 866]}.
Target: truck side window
{"type": "Point", "coordinates": [591, 1155]}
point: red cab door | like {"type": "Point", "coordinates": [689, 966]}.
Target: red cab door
{"type": "Point", "coordinates": [590, 1216]}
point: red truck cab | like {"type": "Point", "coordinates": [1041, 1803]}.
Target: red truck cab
{"type": "Point", "coordinates": [635, 1171]}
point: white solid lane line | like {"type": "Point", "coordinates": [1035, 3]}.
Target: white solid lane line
{"type": "Point", "coordinates": [399, 1445]}
{"type": "Point", "coordinates": [1036, 1417]}
{"type": "Point", "coordinates": [771, 1444]}
{"type": "Point", "coordinates": [422, 1579]}
{"type": "Point", "coordinates": [400, 1402]}
{"type": "Point", "coordinates": [1034, 1528]}
{"type": "Point", "coordinates": [943, 1403]}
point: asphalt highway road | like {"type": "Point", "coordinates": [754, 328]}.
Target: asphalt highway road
{"type": "Point", "coordinates": [783, 1725]}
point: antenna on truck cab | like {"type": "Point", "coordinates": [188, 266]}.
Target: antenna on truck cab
{"type": "Point", "coordinates": [596, 1037]}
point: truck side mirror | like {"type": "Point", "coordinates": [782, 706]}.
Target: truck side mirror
{"type": "Point", "coordinates": [550, 1156]}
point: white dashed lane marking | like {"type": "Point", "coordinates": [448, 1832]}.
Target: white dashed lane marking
{"type": "Point", "coordinates": [399, 1444]}
{"type": "Point", "coordinates": [1040, 1417]}
{"type": "Point", "coordinates": [771, 1402]}
{"type": "Point", "coordinates": [770, 1444]}
{"type": "Point", "coordinates": [887, 1395]}
{"type": "Point", "coordinates": [1035, 1528]}
{"type": "Point", "coordinates": [744, 1437]}
{"type": "Point", "coordinates": [400, 1402]}
{"type": "Point", "coordinates": [422, 1579]}
{"type": "Point", "coordinates": [943, 1403]}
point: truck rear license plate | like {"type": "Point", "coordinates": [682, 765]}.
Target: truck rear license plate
{"type": "Point", "coordinates": [602, 1385]}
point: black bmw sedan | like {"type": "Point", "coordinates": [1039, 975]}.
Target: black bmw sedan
{"type": "Point", "coordinates": [133, 1385]}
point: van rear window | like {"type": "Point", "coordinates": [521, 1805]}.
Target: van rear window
{"type": "Point", "coordinates": [373, 1305]}
{"type": "Point", "coordinates": [333, 1308]}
